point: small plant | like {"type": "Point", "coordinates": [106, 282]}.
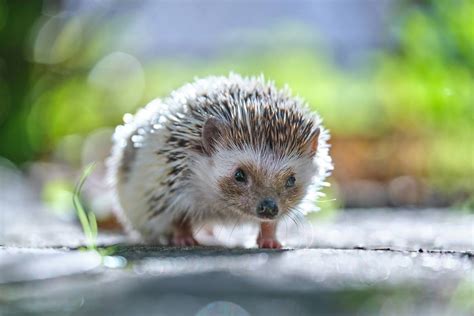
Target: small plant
{"type": "Point", "coordinates": [87, 218]}
{"type": "Point", "coordinates": [89, 225]}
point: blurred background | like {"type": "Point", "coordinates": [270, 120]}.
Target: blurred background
{"type": "Point", "coordinates": [393, 81]}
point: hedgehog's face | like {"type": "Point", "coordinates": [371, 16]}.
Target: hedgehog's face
{"type": "Point", "coordinates": [258, 184]}
{"type": "Point", "coordinates": [253, 182]}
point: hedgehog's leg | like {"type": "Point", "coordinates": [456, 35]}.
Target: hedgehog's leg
{"type": "Point", "coordinates": [266, 237]}
{"type": "Point", "coordinates": [183, 234]}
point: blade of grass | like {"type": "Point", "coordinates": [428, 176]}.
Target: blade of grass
{"type": "Point", "coordinates": [81, 214]}
{"type": "Point", "coordinates": [87, 219]}
{"type": "Point", "coordinates": [93, 225]}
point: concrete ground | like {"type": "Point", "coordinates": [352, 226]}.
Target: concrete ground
{"type": "Point", "coordinates": [363, 262]}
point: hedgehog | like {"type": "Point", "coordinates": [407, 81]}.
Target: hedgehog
{"type": "Point", "coordinates": [220, 150]}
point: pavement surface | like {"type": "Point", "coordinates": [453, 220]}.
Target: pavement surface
{"type": "Point", "coordinates": [359, 262]}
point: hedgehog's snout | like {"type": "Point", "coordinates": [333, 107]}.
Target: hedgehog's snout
{"type": "Point", "coordinates": [268, 208]}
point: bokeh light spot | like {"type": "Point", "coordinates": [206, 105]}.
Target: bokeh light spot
{"type": "Point", "coordinates": [221, 308]}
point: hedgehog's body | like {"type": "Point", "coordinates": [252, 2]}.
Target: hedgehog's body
{"type": "Point", "coordinates": [223, 149]}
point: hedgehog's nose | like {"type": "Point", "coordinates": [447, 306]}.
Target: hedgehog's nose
{"type": "Point", "coordinates": [267, 208]}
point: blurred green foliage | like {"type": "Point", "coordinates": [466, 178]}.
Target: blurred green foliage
{"type": "Point", "coordinates": [421, 87]}
{"type": "Point", "coordinates": [16, 20]}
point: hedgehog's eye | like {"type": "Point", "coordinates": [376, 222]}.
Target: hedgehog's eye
{"type": "Point", "coordinates": [240, 176]}
{"type": "Point", "coordinates": [290, 182]}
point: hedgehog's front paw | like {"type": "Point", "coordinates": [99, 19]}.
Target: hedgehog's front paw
{"type": "Point", "coordinates": [184, 241]}
{"type": "Point", "coordinates": [266, 237]}
{"type": "Point", "coordinates": [183, 234]}
{"type": "Point", "coordinates": [269, 243]}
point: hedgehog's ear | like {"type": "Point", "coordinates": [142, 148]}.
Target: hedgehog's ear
{"type": "Point", "coordinates": [211, 132]}
{"type": "Point", "coordinates": [313, 142]}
